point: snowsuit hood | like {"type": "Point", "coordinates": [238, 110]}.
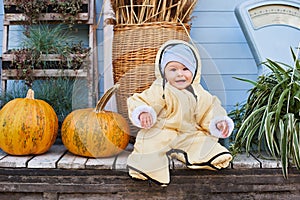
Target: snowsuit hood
{"type": "Point", "coordinates": [159, 74]}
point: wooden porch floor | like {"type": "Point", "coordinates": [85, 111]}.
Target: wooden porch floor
{"type": "Point", "coordinates": [59, 158]}
{"type": "Point", "coordinates": [60, 175]}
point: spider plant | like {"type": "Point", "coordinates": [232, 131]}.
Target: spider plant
{"type": "Point", "coordinates": [271, 123]}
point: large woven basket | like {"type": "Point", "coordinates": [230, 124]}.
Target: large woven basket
{"type": "Point", "coordinates": [133, 56]}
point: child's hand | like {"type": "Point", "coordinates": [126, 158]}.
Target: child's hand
{"type": "Point", "coordinates": [223, 127]}
{"type": "Point", "coordinates": [146, 120]}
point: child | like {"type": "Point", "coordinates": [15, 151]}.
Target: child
{"type": "Point", "coordinates": [179, 119]}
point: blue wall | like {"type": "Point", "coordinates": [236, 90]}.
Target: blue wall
{"type": "Point", "coordinates": [224, 50]}
{"type": "Point", "coordinates": [216, 29]}
{"type": "Point", "coordinates": [1, 23]}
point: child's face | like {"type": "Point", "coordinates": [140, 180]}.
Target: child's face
{"type": "Point", "coordinates": [178, 75]}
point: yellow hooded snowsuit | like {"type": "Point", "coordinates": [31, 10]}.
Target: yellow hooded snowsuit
{"type": "Point", "coordinates": [183, 127]}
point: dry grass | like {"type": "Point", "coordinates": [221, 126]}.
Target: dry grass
{"type": "Point", "coordinates": [145, 11]}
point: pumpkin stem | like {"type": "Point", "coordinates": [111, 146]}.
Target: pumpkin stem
{"type": "Point", "coordinates": [105, 98]}
{"type": "Point", "coordinates": [30, 94]}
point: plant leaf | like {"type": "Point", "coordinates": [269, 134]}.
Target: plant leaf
{"type": "Point", "coordinates": [250, 135]}
{"type": "Point", "coordinates": [269, 133]}
{"type": "Point", "coordinates": [249, 118]}
{"type": "Point", "coordinates": [246, 80]}
{"type": "Point", "coordinates": [295, 147]}
{"type": "Point", "coordinates": [284, 148]}
{"type": "Point", "coordinates": [280, 104]}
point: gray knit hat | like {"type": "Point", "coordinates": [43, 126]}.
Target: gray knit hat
{"type": "Point", "coordinates": [179, 53]}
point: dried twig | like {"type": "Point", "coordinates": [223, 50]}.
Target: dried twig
{"type": "Point", "coordinates": [142, 11]}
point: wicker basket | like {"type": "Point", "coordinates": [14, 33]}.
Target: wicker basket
{"type": "Point", "coordinates": [133, 55]}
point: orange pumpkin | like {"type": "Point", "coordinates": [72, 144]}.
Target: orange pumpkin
{"type": "Point", "coordinates": [27, 126]}
{"type": "Point", "coordinates": [94, 132]}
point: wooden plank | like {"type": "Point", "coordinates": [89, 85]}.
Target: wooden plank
{"type": "Point", "coordinates": [216, 82]}
{"type": "Point", "coordinates": [71, 161]}
{"type": "Point", "coordinates": [176, 164]}
{"type": "Point", "coordinates": [49, 159]}
{"type": "Point", "coordinates": [212, 35]}
{"type": "Point", "coordinates": [121, 161]}
{"type": "Point", "coordinates": [221, 51]}
{"type": "Point", "coordinates": [214, 19]}
{"type": "Point", "coordinates": [2, 154]}
{"type": "Point", "coordinates": [185, 184]}
{"type": "Point", "coordinates": [15, 161]}
{"type": "Point", "coordinates": [245, 161]}
{"type": "Point", "coordinates": [100, 163]}
{"type": "Point", "coordinates": [217, 5]}
{"type": "Point", "coordinates": [8, 74]}
{"type": "Point", "coordinates": [114, 162]}
{"type": "Point", "coordinates": [229, 66]}
{"type": "Point", "coordinates": [16, 18]}
{"type": "Point", "coordinates": [269, 163]}
{"type": "Point", "coordinates": [10, 18]}
{"type": "Point", "coordinates": [50, 57]}
{"type": "Point", "coordinates": [91, 11]}
{"type": "Point", "coordinates": [13, 2]}
{"type": "Point", "coordinates": [232, 97]}
{"type": "Point", "coordinates": [5, 38]}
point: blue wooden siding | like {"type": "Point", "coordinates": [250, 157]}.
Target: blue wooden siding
{"type": "Point", "coordinates": [225, 51]}
{"type": "Point", "coordinates": [216, 29]}
{"type": "Point", "coordinates": [1, 24]}
{"type": "Point", "coordinates": [100, 49]}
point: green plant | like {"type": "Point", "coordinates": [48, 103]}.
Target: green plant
{"type": "Point", "coordinates": [58, 92]}
{"type": "Point", "coordinates": [48, 39]}
{"type": "Point", "coordinates": [78, 55]}
{"type": "Point", "coordinates": [69, 9]}
{"type": "Point", "coordinates": [33, 9]}
{"type": "Point", "coordinates": [16, 90]}
{"type": "Point", "coordinates": [237, 115]}
{"type": "Point", "coordinates": [41, 41]}
{"type": "Point", "coordinates": [24, 61]}
{"type": "Point", "coordinates": [271, 123]}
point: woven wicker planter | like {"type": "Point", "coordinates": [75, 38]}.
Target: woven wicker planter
{"type": "Point", "coordinates": [133, 56]}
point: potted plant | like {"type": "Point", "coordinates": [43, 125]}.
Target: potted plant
{"type": "Point", "coordinates": [34, 11]}
{"type": "Point", "coordinates": [46, 51]}
{"type": "Point", "coordinates": [271, 120]}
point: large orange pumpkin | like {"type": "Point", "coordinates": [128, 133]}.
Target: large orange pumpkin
{"type": "Point", "coordinates": [94, 132]}
{"type": "Point", "coordinates": [27, 126]}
